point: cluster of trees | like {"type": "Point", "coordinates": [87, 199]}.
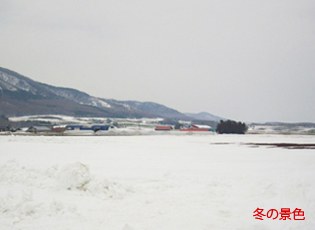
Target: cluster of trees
{"type": "Point", "coordinates": [178, 125]}
{"type": "Point", "coordinates": [230, 126]}
{"type": "Point", "coordinates": [4, 121]}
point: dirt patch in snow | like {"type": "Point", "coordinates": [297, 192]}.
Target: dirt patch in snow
{"type": "Point", "coordinates": [284, 145]}
{"type": "Point", "coordinates": [274, 145]}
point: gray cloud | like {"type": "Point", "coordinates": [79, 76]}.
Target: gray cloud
{"type": "Point", "coordinates": [245, 60]}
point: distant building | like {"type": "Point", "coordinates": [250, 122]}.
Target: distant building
{"type": "Point", "coordinates": [197, 128]}
{"type": "Point", "coordinates": [201, 126]}
{"type": "Point", "coordinates": [94, 128]}
{"type": "Point", "coordinates": [73, 127]}
{"type": "Point", "coordinates": [163, 128]}
{"type": "Point", "coordinates": [38, 129]}
{"type": "Point", "coordinates": [59, 129]}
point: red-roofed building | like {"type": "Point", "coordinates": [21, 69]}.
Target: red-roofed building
{"type": "Point", "coordinates": [163, 128]}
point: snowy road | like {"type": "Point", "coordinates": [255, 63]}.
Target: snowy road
{"type": "Point", "coordinates": [154, 182]}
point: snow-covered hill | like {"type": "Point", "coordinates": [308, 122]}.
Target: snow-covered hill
{"type": "Point", "coordinates": [23, 96]}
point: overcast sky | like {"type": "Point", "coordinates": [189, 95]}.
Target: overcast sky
{"type": "Point", "coordinates": [239, 59]}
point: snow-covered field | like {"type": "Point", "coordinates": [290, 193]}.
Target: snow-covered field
{"type": "Point", "coordinates": [154, 182]}
{"type": "Point", "coordinates": [62, 119]}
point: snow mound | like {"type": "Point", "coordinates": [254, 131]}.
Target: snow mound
{"type": "Point", "coordinates": [20, 205]}
{"type": "Point", "coordinates": [127, 227]}
{"type": "Point", "coordinates": [28, 193]}
{"type": "Point", "coordinates": [78, 177]}
{"type": "Point", "coordinates": [74, 176]}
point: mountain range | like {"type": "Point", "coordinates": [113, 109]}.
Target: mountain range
{"type": "Point", "coordinates": [204, 116]}
{"type": "Point", "coordinates": [20, 95]}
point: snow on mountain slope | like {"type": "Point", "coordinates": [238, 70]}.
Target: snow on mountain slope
{"type": "Point", "coordinates": [23, 96]}
{"type": "Point", "coordinates": [11, 83]}
{"type": "Point", "coordinates": [155, 108]}
{"type": "Point", "coordinates": [77, 96]}
{"type": "Point", "coordinates": [99, 103]}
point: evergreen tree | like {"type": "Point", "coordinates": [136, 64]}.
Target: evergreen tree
{"type": "Point", "coordinates": [178, 125]}
{"type": "Point", "coordinates": [230, 126]}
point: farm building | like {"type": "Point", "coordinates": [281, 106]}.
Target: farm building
{"type": "Point", "coordinates": [201, 126]}
{"type": "Point", "coordinates": [88, 127]}
{"type": "Point", "coordinates": [59, 129]}
{"type": "Point", "coordinates": [195, 127]}
{"type": "Point", "coordinates": [102, 127]}
{"type": "Point", "coordinates": [163, 128]}
{"type": "Point", "coordinates": [73, 127]}
{"type": "Point", "coordinates": [38, 129]}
